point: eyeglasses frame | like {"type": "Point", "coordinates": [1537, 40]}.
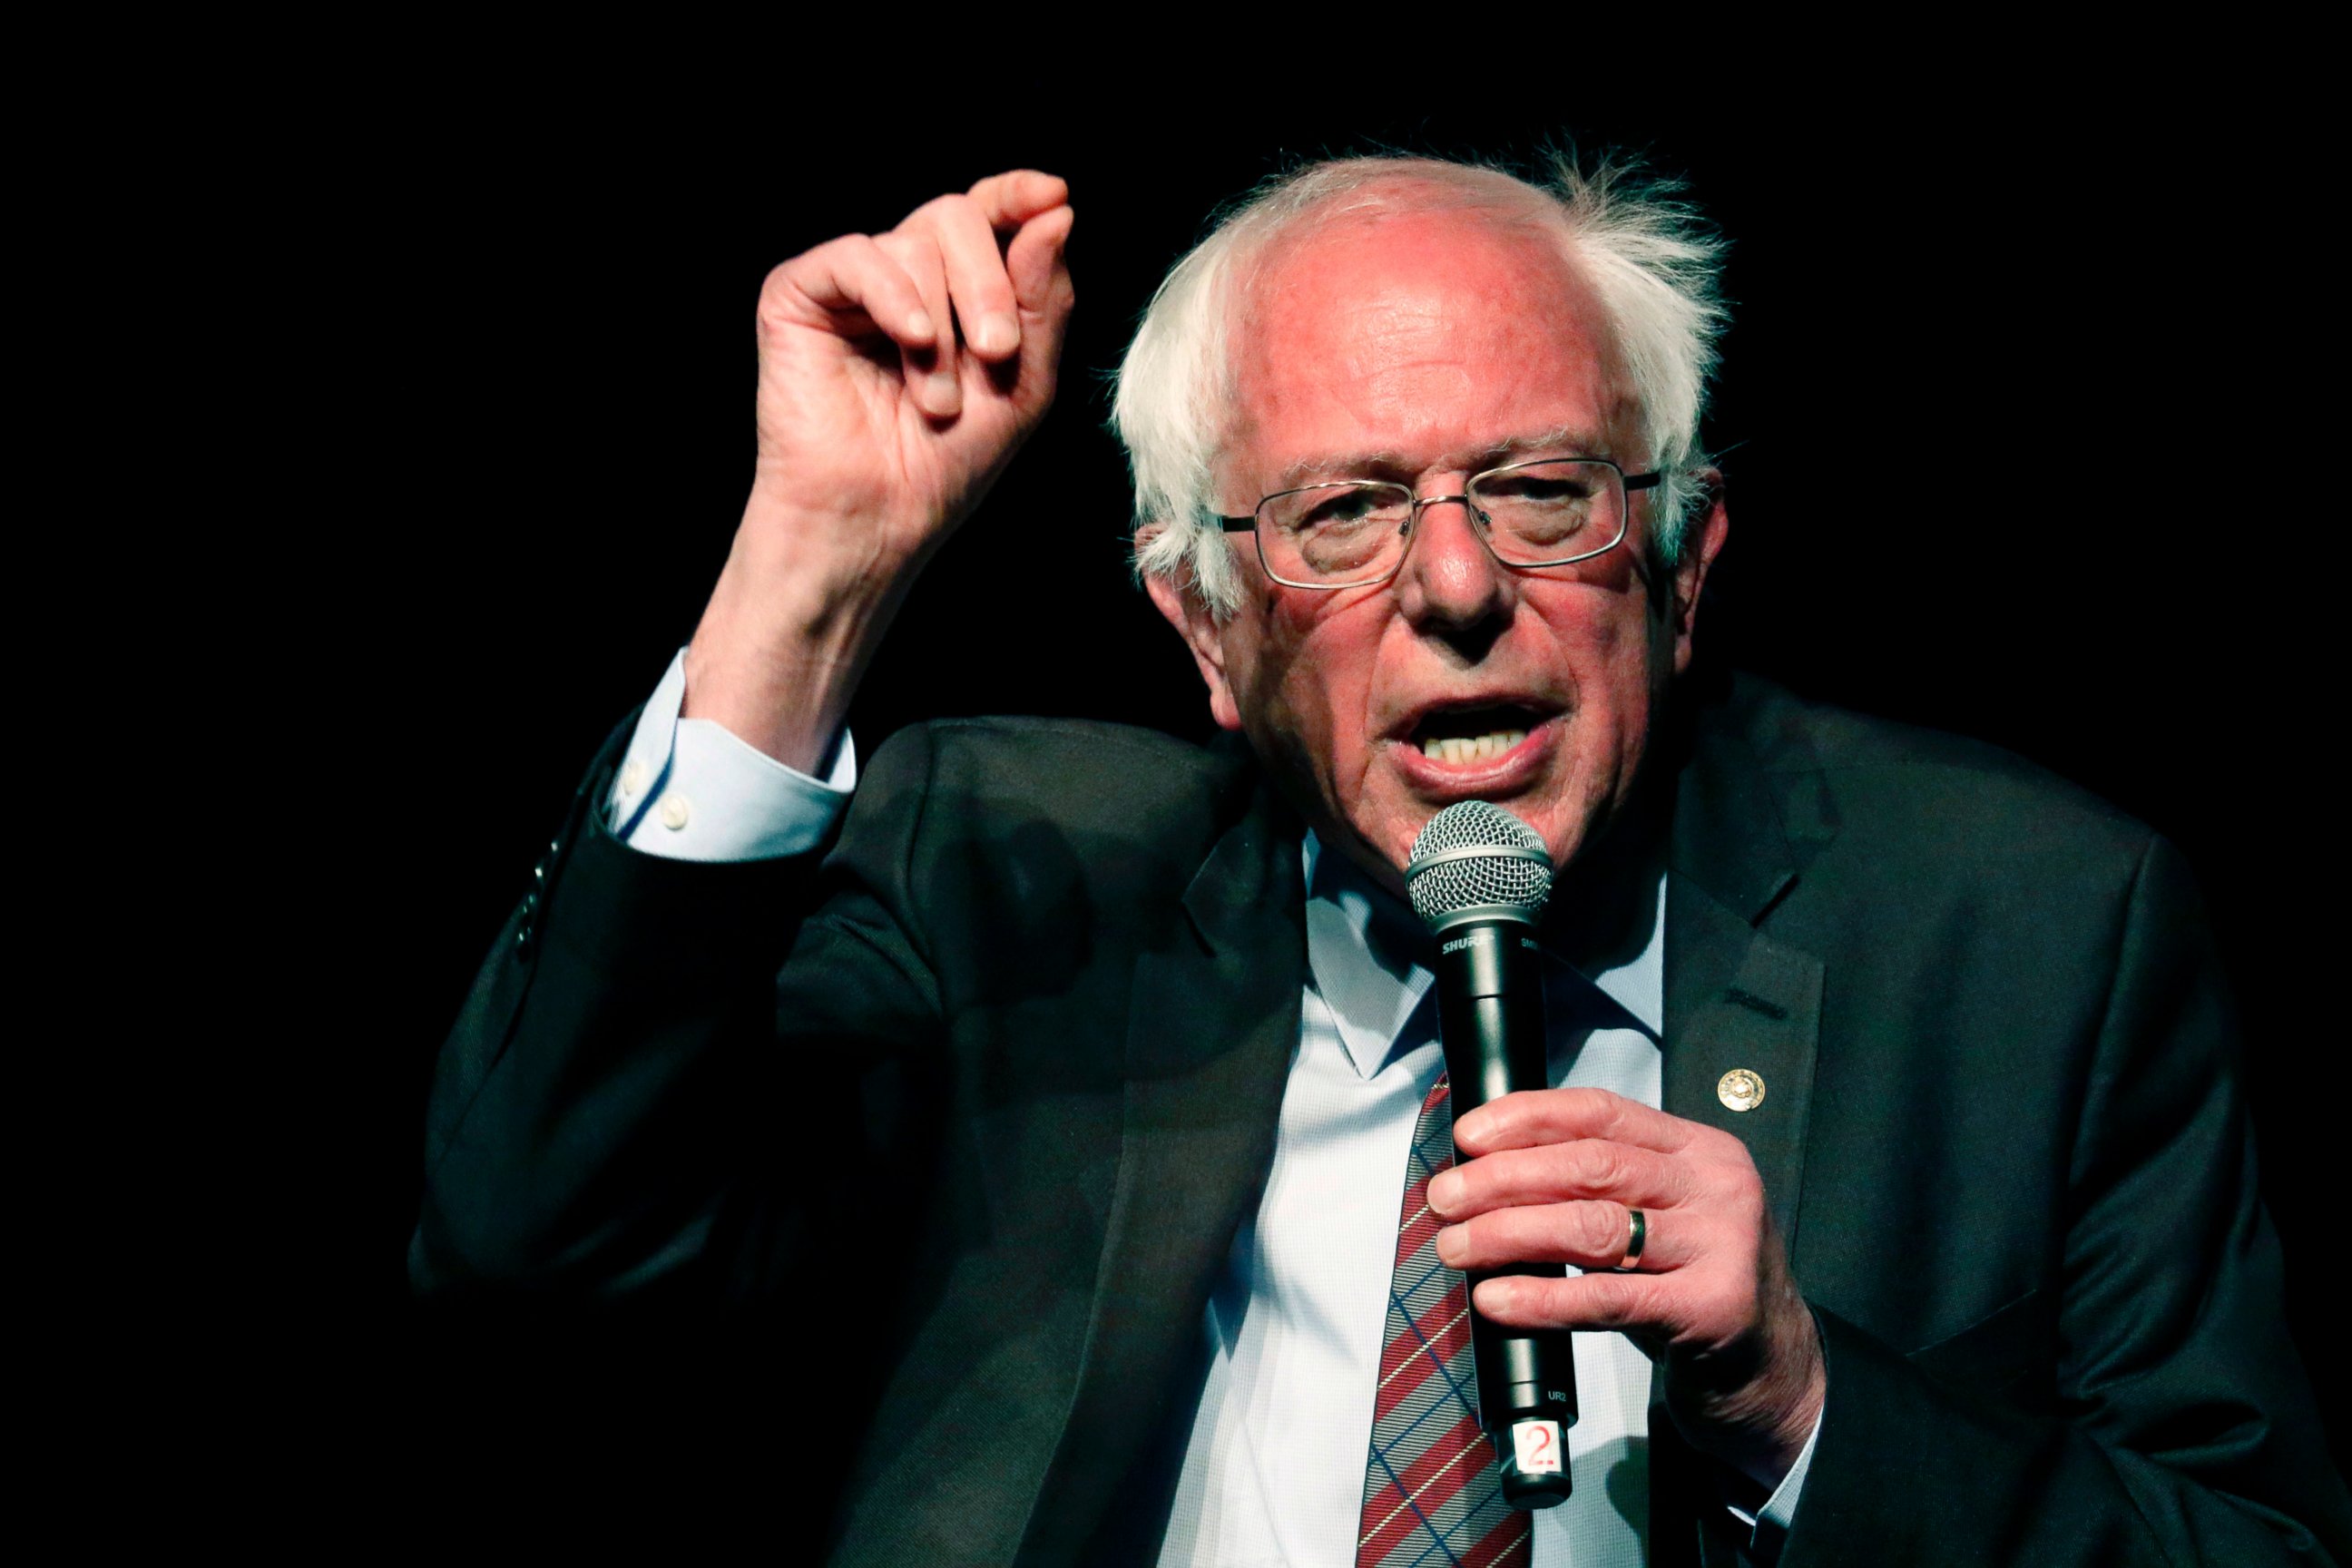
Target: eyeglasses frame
{"type": "Point", "coordinates": [1627, 485]}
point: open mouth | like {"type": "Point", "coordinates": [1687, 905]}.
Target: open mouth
{"type": "Point", "coordinates": [1459, 736]}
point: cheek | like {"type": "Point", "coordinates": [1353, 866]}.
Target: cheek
{"type": "Point", "coordinates": [1313, 669]}
{"type": "Point", "coordinates": [1614, 659]}
{"type": "Point", "coordinates": [1623, 665]}
{"type": "Point", "coordinates": [1305, 681]}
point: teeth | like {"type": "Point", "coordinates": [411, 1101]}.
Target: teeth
{"type": "Point", "coordinates": [1458, 750]}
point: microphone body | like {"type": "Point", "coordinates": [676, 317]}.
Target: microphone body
{"type": "Point", "coordinates": [1490, 1014]}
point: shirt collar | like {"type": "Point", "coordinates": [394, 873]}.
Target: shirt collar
{"type": "Point", "coordinates": [1365, 947]}
{"type": "Point", "coordinates": [1638, 983]}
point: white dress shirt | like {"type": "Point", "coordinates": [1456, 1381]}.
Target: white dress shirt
{"type": "Point", "coordinates": [1273, 1472]}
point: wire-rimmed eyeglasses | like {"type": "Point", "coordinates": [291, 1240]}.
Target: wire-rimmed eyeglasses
{"type": "Point", "coordinates": [1351, 534]}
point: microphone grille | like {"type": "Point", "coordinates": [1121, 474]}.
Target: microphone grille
{"type": "Point", "coordinates": [1473, 855]}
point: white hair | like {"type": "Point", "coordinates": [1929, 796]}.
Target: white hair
{"type": "Point", "coordinates": [1649, 258]}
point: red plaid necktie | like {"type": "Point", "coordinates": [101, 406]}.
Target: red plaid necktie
{"type": "Point", "coordinates": [1432, 1497]}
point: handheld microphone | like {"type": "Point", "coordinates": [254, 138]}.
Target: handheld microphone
{"type": "Point", "coordinates": [1478, 879]}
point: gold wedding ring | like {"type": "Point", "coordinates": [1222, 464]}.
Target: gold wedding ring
{"type": "Point", "coordinates": [1637, 1232]}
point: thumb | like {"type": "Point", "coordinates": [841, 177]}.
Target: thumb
{"type": "Point", "coordinates": [1037, 263]}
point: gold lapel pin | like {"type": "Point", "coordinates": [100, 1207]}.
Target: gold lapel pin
{"type": "Point", "coordinates": [1740, 1089]}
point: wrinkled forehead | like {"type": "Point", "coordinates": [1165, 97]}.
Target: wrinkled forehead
{"type": "Point", "coordinates": [1413, 320]}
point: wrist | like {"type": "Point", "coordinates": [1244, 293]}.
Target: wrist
{"type": "Point", "coordinates": [814, 573]}
{"type": "Point", "coordinates": [790, 710]}
{"type": "Point", "coordinates": [1759, 1427]}
{"type": "Point", "coordinates": [1800, 1417]}
{"type": "Point", "coordinates": [789, 629]}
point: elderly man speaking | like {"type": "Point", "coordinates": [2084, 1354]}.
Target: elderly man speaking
{"type": "Point", "coordinates": [1893, 1163]}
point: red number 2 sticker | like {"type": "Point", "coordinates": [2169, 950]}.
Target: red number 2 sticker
{"type": "Point", "coordinates": [1538, 1446]}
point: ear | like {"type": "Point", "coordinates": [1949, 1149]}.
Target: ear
{"type": "Point", "coordinates": [1702, 542]}
{"type": "Point", "coordinates": [1200, 631]}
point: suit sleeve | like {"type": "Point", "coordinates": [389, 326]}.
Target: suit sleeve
{"type": "Point", "coordinates": [644, 1073]}
{"type": "Point", "coordinates": [2181, 1427]}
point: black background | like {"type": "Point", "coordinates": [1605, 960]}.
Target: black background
{"type": "Point", "coordinates": [2009, 394]}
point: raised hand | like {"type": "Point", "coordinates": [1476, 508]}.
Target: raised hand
{"type": "Point", "coordinates": [899, 373]}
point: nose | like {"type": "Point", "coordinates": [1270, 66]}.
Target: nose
{"type": "Point", "coordinates": [1451, 585]}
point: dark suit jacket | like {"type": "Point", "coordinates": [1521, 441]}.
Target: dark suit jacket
{"type": "Point", "coordinates": [1045, 990]}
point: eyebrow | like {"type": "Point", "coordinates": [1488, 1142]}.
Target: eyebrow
{"type": "Point", "coordinates": [1564, 442]}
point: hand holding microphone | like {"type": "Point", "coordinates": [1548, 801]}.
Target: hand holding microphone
{"type": "Point", "coordinates": [1552, 1176]}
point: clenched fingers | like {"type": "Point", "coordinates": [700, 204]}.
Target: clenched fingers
{"type": "Point", "coordinates": [1589, 1234]}
{"type": "Point", "coordinates": [931, 368]}
{"type": "Point", "coordinates": [849, 287]}
{"type": "Point", "coordinates": [1011, 199]}
{"type": "Point", "coordinates": [1560, 1115]}
{"type": "Point", "coordinates": [1555, 1172]}
{"type": "Point", "coordinates": [965, 239]}
{"type": "Point", "coordinates": [1642, 1302]}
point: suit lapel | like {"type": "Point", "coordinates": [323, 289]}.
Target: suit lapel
{"type": "Point", "coordinates": [1742, 1013]}
{"type": "Point", "coordinates": [1213, 1023]}
{"type": "Point", "coordinates": [1738, 1001]}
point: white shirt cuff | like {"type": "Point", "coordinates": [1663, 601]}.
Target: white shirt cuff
{"type": "Point", "coordinates": [1770, 1523]}
{"type": "Point", "coordinates": [690, 789]}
